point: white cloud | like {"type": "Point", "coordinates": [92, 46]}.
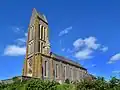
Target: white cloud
{"type": "Point", "coordinates": [78, 43]}
{"type": "Point", "coordinates": [93, 65]}
{"type": "Point", "coordinates": [65, 31]}
{"type": "Point", "coordinates": [116, 72]}
{"type": "Point", "coordinates": [13, 50]}
{"type": "Point", "coordinates": [22, 41]}
{"type": "Point", "coordinates": [17, 29]}
{"type": "Point", "coordinates": [90, 42]}
{"type": "Point", "coordinates": [18, 48]}
{"type": "Point", "coordinates": [114, 58]}
{"type": "Point", "coordinates": [69, 50]}
{"type": "Point", "coordinates": [63, 49]}
{"type": "Point", "coordinates": [84, 48]}
{"type": "Point", "coordinates": [104, 49]}
{"type": "Point", "coordinates": [26, 34]}
{"type": "Point", "coordinates": [84, 54]}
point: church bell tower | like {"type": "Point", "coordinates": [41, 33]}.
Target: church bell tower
{"type": "Point", "coordinates": [37, 45]}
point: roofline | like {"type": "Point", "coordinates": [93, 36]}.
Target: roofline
{"type": "Point", "coordinates": [69, 62]}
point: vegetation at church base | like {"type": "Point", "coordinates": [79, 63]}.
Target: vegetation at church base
{"type": "Point", "coordinates": [36, 84]}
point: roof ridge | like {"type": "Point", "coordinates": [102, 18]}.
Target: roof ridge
{"type": "Point", "coordinates": [67, 60]}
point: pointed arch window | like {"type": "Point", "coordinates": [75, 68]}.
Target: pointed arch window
{"type": "Point", "coordinates": [44, 32]}
{"type": "Point", "coordinates": [57, 70]}
{"type": "Point", "coordinates": [46, 68]}
{"type": "Point", "coordinates": [38, 46]}
{"type": "Point", "coordinates": [64, 72]}
{"type": "Point", "coordinates": [38, 30]}
{"type": "Point", "coordinates": [41, 47]}
{"type": "Point", "coordinates": [41, 32]}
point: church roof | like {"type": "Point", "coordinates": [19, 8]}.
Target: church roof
{"type": "Point", "coordinates": [64, 59]}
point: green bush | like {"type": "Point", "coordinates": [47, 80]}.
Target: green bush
{"type": "Point", "coordinates": [64, 87]}
{"type": "Point", "coordinates": [67, 81]}
{"type": "Point", "coordinates": [99, 84]}
{"type": "Point", "coordinates": [37, 84]}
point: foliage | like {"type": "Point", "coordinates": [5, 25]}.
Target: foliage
{"type": "Point", "coordinates": [99, 84]}
{"type": "Point", "coordinates": [67, 81]}
{"type": "Point", "coordinates": [65, 87]}
{"type": "Point", "coordinates": [37, 84]}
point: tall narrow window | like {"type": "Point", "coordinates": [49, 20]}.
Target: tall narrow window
{"type": "Point", "coordinates": [30, 35]}
{"type": "Point", "coordinates": [56, 70]}
{"type": "Point", "coordinates": [41, 32]}
{"type": "Point", "coordinates": [38, 30]}
{"type": "Point", "coordinates": [82, 73]}
{"type": "Point", "coordinates": [28, 49]}
{"type": "Point", "coordinates": [46, 68]}
{"type": "Point", "coordinates": [75, 74]}
{"type": "Point", "coordinates": [41, 47]}
{"type": "Point", "coordinates": [64, 72]}
{"type": "Point", "coordinates": [38, 46]}
{"type": "Point", "coordinates": [44, 32]}
{"type": "Point", "coordinates": [31, 47]}
{"type": "Point", "coordinates": [32, 32]}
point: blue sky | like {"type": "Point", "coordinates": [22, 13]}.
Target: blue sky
{"type": "Point", "coordinates": [87, 31]}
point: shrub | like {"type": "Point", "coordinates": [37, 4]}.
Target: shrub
{"type": "Point", "coordinates": [37, 84]}
{"type": "Point", "coordinates": [67, 81]}
{"type": "Point", "coordinates": [65, 87]}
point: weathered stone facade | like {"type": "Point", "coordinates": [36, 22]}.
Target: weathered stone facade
{"type": "Point", "coordinates": [40, 62]}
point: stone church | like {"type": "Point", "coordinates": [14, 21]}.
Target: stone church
{"type": "Point", "coordinates": [40, 62]}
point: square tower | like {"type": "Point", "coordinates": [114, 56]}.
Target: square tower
{"type": "Point", "coordinates": [37, 45]}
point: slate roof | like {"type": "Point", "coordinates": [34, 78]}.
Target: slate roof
{"type": "Point", "coordinates": [63, 59]}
